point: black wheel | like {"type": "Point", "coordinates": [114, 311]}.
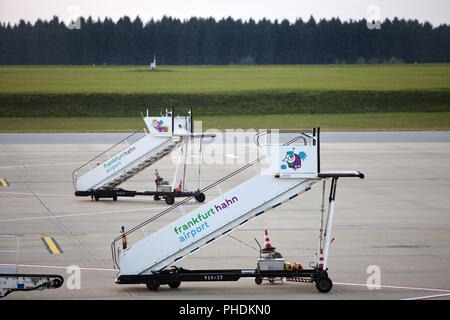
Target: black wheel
{"type": "Point", "coordinates": [153, 285]}
{"type": "Point", "coordinates": [200, 197]}
{"type": "Point", "coordinates": [97, 198]}
{"type": "Point", "coordinates": [324, 284]}
{"type": "Point", "coordinates": [271, 280]}
{"type": "Point", "coordinates": [258, 280]}
{"type": "Point", "coordinates": [175, 284]}
{"type": "Point", "coordinates": [57, 283]}
{"type": "Point", "coordinates": [115, 198]}
{"type": "Point", "coordinates": [170, 199]}
{"type": "Point", "coordinates": [156, 198]}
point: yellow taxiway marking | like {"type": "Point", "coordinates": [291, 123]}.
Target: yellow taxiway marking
{"type": "Point", "coordinates": [51, 245]}
{"type": "Point", "coordinates": [3, 182]}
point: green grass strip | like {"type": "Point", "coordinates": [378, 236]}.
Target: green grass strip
{"type": "Point", "coordinates": [249, 103]}
{"type": "Point", "coordinates": [330, 122]}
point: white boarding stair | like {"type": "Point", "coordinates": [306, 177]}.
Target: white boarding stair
{"type": "Point", "coordinates": [164, 134]}
{"type": "Point", "coordinates": [129, 161]}
{"type": "Point", "coordinates": [211, 221]}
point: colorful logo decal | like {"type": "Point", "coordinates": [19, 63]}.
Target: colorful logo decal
{"type": "Point", "coordinates": [293, 160]}
{"type": "Point", "coordinates": [158, 126]}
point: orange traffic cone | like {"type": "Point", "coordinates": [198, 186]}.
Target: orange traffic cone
{"type": "Point", "coordinates": [180, 187]}
{"type": "Point", "coordinates": [267, 245]}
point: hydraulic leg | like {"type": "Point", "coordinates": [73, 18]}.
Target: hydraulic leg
{"type": "Point", "coordinates": [323, 282]}
{"type": "Point", "coordinates": [329, 222]}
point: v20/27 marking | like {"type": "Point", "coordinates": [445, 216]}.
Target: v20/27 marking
{"type": "Point", "coordinates": [214, 278]}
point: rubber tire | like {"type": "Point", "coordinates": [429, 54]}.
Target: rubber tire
{"type": "Point", "coordinates": [324, 284]}
{"type": "Point", "coordinates": [170, 200]}
{"type": "Point", "coordinates": [258, 280]}
{"type": "Point", "coordinates": [156, 198]}
{"type": "Point", "coordinates": [115, 198]}
{"type": "Point", "coordinates": [57, 283]}
{"type": "Point", "coordinates": [175, 284]}
{"type": "Point", "coordinates": [152, 285]}
{"type": "Point", "coordinates": [200, 197]}
{"type": "Point", "coordinates": [97, 198]}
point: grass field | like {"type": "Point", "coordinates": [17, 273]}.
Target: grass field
{"type": "Point", "coordinates": [221, 79]}
{"type": "Point", "coordinates": [330, 122]}
{"type": "Point", "coordinates": [359, 97]}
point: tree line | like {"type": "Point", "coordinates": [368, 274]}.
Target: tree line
{"type": "Point", "coordinates": [220, 42]}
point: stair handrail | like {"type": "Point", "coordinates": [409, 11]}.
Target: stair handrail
{"type": "Point", "coordinates": [301, 135]}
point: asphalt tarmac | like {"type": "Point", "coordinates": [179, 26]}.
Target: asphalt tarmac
{"type": "Point", "coordinates": [395, 221]}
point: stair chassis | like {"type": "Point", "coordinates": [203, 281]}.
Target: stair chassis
{"type": "Point", "coordinates": [169, 197]}
{"type": "Point", "coordinates": [174, 277]}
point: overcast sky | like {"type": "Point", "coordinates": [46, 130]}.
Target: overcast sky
{"type": "Point", "coordinates": [435, 11]}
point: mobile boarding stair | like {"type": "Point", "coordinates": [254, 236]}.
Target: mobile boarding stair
{"type": "Point", "coordinates": [100, 176]}
{"type": "Point", "coordinates": [294, 169]}
{"type": "Point", "coordinates": [11, 280]}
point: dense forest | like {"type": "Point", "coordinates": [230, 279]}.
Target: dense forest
{"type": "Point", "coordinates": [219, 42]}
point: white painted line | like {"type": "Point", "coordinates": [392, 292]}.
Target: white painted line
{"type": "Point", "coordinates": [35, 160]}
{"type": "Point", "coordinates": [429, 297]}
{"type": "Point", "coordinates": [38, 194]}
{"type": "Point", "coordinates": [41, 165]}
{"type": "Point", "coordinates": [339, 283]}
{"type": "Point", "coordinates": [56, 267]}
{"type": "Point", "coordinates": [87, 214]}
{"type": "Point", "coordinates": [393, 287]}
